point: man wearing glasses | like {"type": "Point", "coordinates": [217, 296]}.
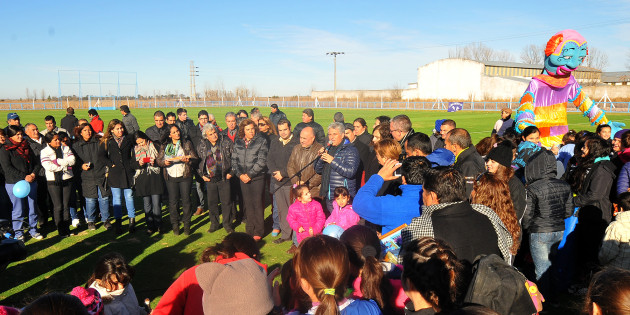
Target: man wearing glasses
{"type": "Point", "coordinates": [400, 128]}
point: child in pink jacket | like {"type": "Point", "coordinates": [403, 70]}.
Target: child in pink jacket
{"type": "Point", "coordinates": [306, 216]}
{"type": "Point", "coordinates": [342, 214]}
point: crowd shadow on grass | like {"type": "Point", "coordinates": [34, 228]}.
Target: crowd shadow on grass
{"type": "Point", "coordinates": [75, 274]}
{"type": "Point", "coordinates": [156, 272]}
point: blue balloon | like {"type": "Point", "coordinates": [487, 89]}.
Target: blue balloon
{"type": "Point", "coordinates": [333, 231]}
{"type": "Point", "coordinates": [21, 189]}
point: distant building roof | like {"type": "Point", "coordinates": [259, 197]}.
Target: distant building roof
{"type": "Point", "coordinates": [615, 77]}
{"type": "Point", "coordinates": [528, 66]}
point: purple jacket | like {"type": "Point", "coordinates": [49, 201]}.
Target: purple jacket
{"type": "Point", "coordinates": [623, 182]}
{"type": "Point", "coordinates": [307, 216]}
{"type": "Point", "coordinates": [344, 217]}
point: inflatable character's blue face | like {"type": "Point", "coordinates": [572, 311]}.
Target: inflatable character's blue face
{"type": "Point", "coordinates": [571, 56]}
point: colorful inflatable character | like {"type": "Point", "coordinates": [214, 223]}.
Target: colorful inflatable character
{"type": "Point", "coordinates": [545, 101]}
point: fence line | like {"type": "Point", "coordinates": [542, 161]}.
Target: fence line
{"type": "Point", "coordinates": [617, 107]}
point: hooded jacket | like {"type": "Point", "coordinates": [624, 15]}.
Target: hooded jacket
{"type": "Point", "coordinates": [310, 215]}
{"type": "Point", "coordinates": [615, 249]}
{"type": "Point", "coordinates": [549, 200]}
{"type": "Point", "coordinates": [343, 217]}
{"type": "Point", "coordinates": [596, 188]}
{"type": "Point", "coordinates": [470, 164]}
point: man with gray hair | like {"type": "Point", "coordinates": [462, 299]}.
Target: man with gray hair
{"type": "Point", "coordinates": [338, 164]}
{"type": "Point", "coordinates": [400, 128]}
{"type": "Point", "coordinates": [231, 131]}
{"type": "Point", "coordinates": [308, 120]}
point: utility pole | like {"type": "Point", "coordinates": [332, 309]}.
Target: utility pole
{"type": "Point", "coordinates": [193, 74]}
{"type": "Point", "coordinates": [334, 54]}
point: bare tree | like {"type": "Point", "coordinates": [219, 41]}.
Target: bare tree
{"type": "Point", "coordinates": [596, 59]}
{"type": "Point", "coordinates": [628, 60]}
{"type": "Point", "coordinates": [503, 55]}
{"type": "Point", "coordinates": [43, 94]}
{"type": "Point", "coordinates": [28, 93]}
{"type": "Point", "coordinates": [479, 52]}
{"type": "Point", "coordinates": [396, 92]}
{"type": "Point", "coordinates": [533, 54]}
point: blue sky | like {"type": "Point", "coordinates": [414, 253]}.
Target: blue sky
{"type": "Point", "coordinates": [279, 48]}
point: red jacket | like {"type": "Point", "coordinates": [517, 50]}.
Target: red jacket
{"type": "Point", "coordinates": [307, 216]}
{"type": "Point", "coordinates": [97, 124]}
{"type": "Point", "coordinates": [185, 295]}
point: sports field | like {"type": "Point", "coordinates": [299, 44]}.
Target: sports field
{"type": "Point", "coordinates": [59, 265]}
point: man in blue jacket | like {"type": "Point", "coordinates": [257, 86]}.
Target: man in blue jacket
{"type": "Point", "coordinates": [393, 211]}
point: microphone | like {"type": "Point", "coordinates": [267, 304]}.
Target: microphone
{"type": "Point", "coordinates": [330, 143]}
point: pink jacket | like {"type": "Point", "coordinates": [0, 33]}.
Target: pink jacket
{"type": "Point", "coordinates": [306, 215]}
{"type": "Point", "coordinates": [344, 217]}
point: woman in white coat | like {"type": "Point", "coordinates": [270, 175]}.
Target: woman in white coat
{"type": "Point", "coordinates": [57, 159]}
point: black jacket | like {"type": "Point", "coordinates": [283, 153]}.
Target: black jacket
{"type": "Point", "coordinates": [320, 135]}
{"type": "Point", "coordinates": [549, 200]}
{"type": "Point", "coordinates": [121, 162]}
{"type": "Point", "coordinates": [366, 139]}
{"type": "Point", "coordinates": [342, 171]}
{"type": "Point", "coordinates": [157, 134]}
{"type": "Point", "coordinates": [15, 167]}
{"type": "Point", "coordinates": [226, 147]}
{"type": "Point", "coordinates": [596, 189]}
{"type": "Point", "coordinates": [278, 157]}
{"type": "Point", "coordinates": [517, 193]}
{"type": "Point", "coordinates": [275, 117]}
{"type": "Point", "coordinates": [68, 123]}
{"type": "Point", "coordinates": [91, 151]}
{"type": "Point", "coordinates": [251, 159]}
{"type": "Point", "coordinates": [189, 131]}
{"type": "Point", "coordinates": [470, 164]}
{"type": "Point", "coordinates": [37, 148]}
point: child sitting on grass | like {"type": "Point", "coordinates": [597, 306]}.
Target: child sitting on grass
{"type": "Point", "coordinates": [112, 279]}
{"type": "Point", "coordinates": [306, 216]}
{"type": "Point", "coordinates": [342, 214]}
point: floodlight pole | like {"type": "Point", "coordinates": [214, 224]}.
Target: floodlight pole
{"type": "Point", "coordinates": [193, 74]}
{"type": "Point", "coordinates": [334, 54]}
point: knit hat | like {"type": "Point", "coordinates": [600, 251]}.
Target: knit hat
{"type": "Point", "coordinates": [239, 287]}
{"type": "Point", "coordinates": [90, 298]}
{"type": "Point", "coordinates": [501, 154]}
{"type": "Point", "coordinates": [620, 133]}
{"type": "Point", "coordinates": [438, 124]}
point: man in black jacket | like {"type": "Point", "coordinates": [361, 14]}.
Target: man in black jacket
{"type": "Point", "coordinates": [37, 144]}
{"type": "Point", "coordinates": [470, 230]}
{"type": "Point", "coordinates": [69, 122]}
{"type": "Point", "coordinates": [158, 131]}
{"type": "Point", "coordinates": [276, 115]}
{"type": "Point", "coordinates": [467, 159]}
{"type": "Point", "coordinates": [277, 161]}
{"type": "Point", "coordinates": [308, 120]}
{"type": "Point", "coordinates": [369, 163]}
{"type": "Point", "coordinates": [129, 121]}
{"type": "Point", "coordinates": [360, 130]}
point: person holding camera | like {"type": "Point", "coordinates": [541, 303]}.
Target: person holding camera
{"type": "Point", "coordinates": [149, 183]}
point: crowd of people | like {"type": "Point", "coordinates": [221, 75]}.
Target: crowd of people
{"type": "Point", "coordinates": [452, 200]}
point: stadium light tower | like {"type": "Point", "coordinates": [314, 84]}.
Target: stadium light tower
{"type": "Point", "coordinates": [193, 74]}
{"type": "Point", "coordinates": [334, 54]}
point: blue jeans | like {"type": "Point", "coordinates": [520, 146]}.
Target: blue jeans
{"type": "Point", "coordinates": [17, 214]}
{"type": "Point", "coordinates": [274, 213]}
{"type": "Point", "coordinates": [540, 245]}
{"type": "Point", "coordinates": [117, 202]}
{"type": "Point", "coordinates": [90, 207]}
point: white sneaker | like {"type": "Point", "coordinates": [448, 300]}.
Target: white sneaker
{"type": "Point", "coordinates": [75, 223]}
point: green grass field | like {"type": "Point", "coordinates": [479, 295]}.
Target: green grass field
{"type": "Point", "coordinates": [60, 265]}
